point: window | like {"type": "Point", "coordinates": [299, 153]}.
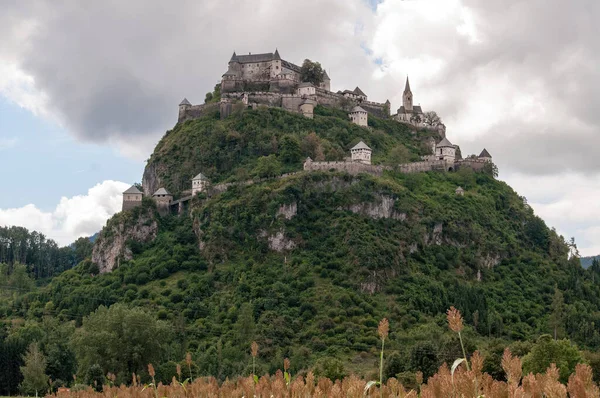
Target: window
{"type": "Point", "coordinates": [277, 67]}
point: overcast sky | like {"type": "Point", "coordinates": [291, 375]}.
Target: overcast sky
{"type": "Point", "coordinates": [87, 89]}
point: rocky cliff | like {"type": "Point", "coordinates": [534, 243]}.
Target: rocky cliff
{"type": "Point", "coordinates": [112, 245]}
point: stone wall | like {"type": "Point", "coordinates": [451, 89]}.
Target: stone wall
{"type": "Point", "coordinates": [353, 168]}
{"type": "Point", "coordinates": [376, 108]}
{"type": "Point", "coordinates": [197, 111]}
{"type": "Point", "coordinates": [130, 204]}
{"type": "Point", "coordinates": [418, 167]}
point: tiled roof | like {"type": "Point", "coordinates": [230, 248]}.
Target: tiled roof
{"type": "Point", "coordinates": [361, 145]}
{"type": "Point", "coordinates": [161, 191]}
{"type": "Point", "coordinates": [132, 189]}
{"type": "Point", "coordinates": [485, 154]}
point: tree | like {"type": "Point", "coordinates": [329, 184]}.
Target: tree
{"type": "Point", "coordinates": [557, 318]}
{"type": "Point", "coordinates": [329, 367]}
{"type": "Point", "coordinates": [34, 371]}
{"type": "Point", "coordinates": [312, 72]}
{"type": "Point", "coordinates": [490, 169]}
{"type": "Point", "coordinates": [431, 119]}
{"type": "Point", "coordinates": [311, 145]}
{"type": "Point", "coordinates": [245, 326]}
{"type": "Point", "coordinates": [267, 166]}
{"type": "Point", "coordinates": [19, 279]}
{"type": "Point", "coordinates": [83, 249]}
{"type": "Point", "coordinates": [289, 149]}
{"type": "Point", "coordinates": [547, 351]}
{"type": "Point", "coordinates": [120, 340]}
{"type": "Point", "coordinates": [398, 155]}
{"type": "Point", "coordinates": [416, 118]}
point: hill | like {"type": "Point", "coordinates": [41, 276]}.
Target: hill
{"type": "Point", "coordinates": [307, 265]}
{"type": "Point", "coordinates": [586, 262]}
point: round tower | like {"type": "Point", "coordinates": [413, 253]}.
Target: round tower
{"type": "Point", "coordinates": [183, 108]}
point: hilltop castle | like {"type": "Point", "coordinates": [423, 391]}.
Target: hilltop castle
{"type": "Point", "coordinates": [268, 80]}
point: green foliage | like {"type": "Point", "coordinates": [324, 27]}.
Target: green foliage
{"type": "Point", "coordinates": [214, 96]}
{"type": "Point", "coordinates": [311, 72]}
{"type": "Point", "coordinates": [120, 340]}
{"type": "Point", "coordinates": [267, 166]}
{"type": "Point", "coordinates": [331, 368]}
{"type": "Point", "coordinates": [35, 380]}
{"type": "Point", "coordinates": [548, 351]}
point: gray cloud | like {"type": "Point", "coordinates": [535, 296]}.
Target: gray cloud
{"type": "Point", "coordinates": [118, 69]}
{"type": "Point", "coordinates": [115, 71]}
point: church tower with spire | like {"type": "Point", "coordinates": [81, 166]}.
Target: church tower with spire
{"type": "Point", "coordinates": [407, 97]}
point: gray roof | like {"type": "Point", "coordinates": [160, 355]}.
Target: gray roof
{"type": "Point", "coordinates": [290, 66]}
{"type": "Point", "coordinates": [200, 177]}
{"type": "Point", "coordinates": [416, 109]}
{"type": "Point", "coordinates": [230, 72]}
{"type": "Point", "coordinates": [325, 75]}
{"type": "Point", "coordinates": [358, 91]}
{"type": "Point", "coordinates": [185, 102]}
{"type": "Point", "coordinates": [233, 58]}
{"type": "Point", "coordinates": [305, 84]}
{"type": "Point", "coordinates": [132, 189]}
{"type": "Point", "coordinates": [360, 145]}
{"type": "Point", "coordinates": [161, 191]}
{"type": "Point", "coordinates": [358, 109]}
{"type": "Point", "coordinates": [407, 86]}
{"type": "Point", "coordinates": [459, 189]}
{"type": "Point", "coordinates": [250, 58]}
{"type": "Point", "coordinates": [444, 143]}
{"type": "Point", "coordinates": [308, 101]}
{"type": "Point", "coordinates": [276, 55]}
{"type": "Point", "coordinates": [485, 154]}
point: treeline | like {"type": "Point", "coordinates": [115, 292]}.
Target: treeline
{"type": "Point", "coordinates": [42, 256]}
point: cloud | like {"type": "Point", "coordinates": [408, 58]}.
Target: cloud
{"type": "Point", "coordinates": [81, 215]}
{"type": "Point", "coordinates": [115, 71]}
{"type": "Point", "coordinates": [567, 201]}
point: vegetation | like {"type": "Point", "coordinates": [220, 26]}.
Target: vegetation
{"type": "Point", "coordinates": [306, 266]}
{"type": "Point", "coordinates": [312, 72]}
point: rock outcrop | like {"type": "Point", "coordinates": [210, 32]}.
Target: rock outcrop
{"type": "Point", "coordinates": [111, 246]}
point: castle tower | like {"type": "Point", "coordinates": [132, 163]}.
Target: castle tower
{"type": "Point", "coordinates": [407, 98]}
{"type": "Point", "coordinates": [276, 64]}
{"type": "Point", "coordinates": [132, 198]}
{"type": "Point", "coordinates": [359, 116]}
{"type": "Point", "coordinates": [199, 184]}
{"type": "Point", "coordinates": [163, 200]}
{"type": "Point", "coordinates": [307, 107]}
{"type": "Point", "coordinates": [361, 153]}
{"type": "Point", "coordinates": [183, 107]}
{"type": "Point", "coordinates": [485, 156]}
{"type": "Point", "coordinates": [326, 83]}
{"type": "Point", "coordinates": [445, 150]}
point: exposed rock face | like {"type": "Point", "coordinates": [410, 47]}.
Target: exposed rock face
{"type": "Point", "coordinates": [150, 180]}
{"type": "Point", "coordinates": [111, 246]}
{"type": "Point", "coordinates": [280, 243]}
{"type": "Point", "coordinates": [436, 235]}
{"type": "Point", "coordinates": [490, 260]}
{"type": "Point", "coordinates": [288, 211]}
{"type": "Point", "coordinates": [383, 207]}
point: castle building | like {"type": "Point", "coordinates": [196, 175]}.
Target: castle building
{"type": "Point", "coordinates": [361, 153]}
{"type": "Point", "coordinates": [163, 200]}
{"type": "Point", "coordinates": [199, 184]}
{"type": "Point", "coordinates": [359, 116]}
{"type": "Point", "coordinates": [408, 112]}
{"type": "Point", "coordinates": [357, 94]}
{"type": "Point", "coordinates": [485, 156]}
{"type": "Point", "coordinates": [445, 150]}
{"type": "Point", "coordinates": [307, 107]}
{"type": "Point", "coordinates": [132, 198]}
{"type": "Point", "coordinates": [459, 191]}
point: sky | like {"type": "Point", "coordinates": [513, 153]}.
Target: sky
{"type": "Point", "coordinates": [88, 88]}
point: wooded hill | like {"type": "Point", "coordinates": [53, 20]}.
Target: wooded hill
{"type": "Point", "coordinates": [307, 265]}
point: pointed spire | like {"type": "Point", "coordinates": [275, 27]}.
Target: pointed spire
{"type": "Point", "coordinates": [276, 55]}
{"type": "Point", "coordinates": [407, 87]}
{"type": "Point", "coordinates": [233, 58]}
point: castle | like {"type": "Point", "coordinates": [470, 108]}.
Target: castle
{"type": "Point", "coordinates": [268, 80]}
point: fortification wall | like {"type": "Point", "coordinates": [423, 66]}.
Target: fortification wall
{"type": "Point", "coordinates": [418, 167]}
{"type": "Point", "coordinates": [291, 102]}
{"type": "Point", "coordinates": [353, 168]}
{"type": "Point", "coordinates": [327, 98]}
{"type": "Point", "coordinates": [376, 108]}
{"type": "Point", "coordinates": [130, 204]}
{"type": "Point", "coordinates": [197, 111]}
{"type": "Point", "coordinates": [475, 164]}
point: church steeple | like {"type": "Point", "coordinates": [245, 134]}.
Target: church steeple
{"type": "Point", "coordinates": [233, 58]}
{"type": "Point", "coordinates": [407, 98]}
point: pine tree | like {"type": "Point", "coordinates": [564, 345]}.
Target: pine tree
{"type": "Point", "coordinates": [35, 380]}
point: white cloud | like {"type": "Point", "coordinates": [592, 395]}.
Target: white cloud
{"type": "Point", "coordinates": [81, 215]}
{"type": "Point", "coordinates": [568, 201]}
